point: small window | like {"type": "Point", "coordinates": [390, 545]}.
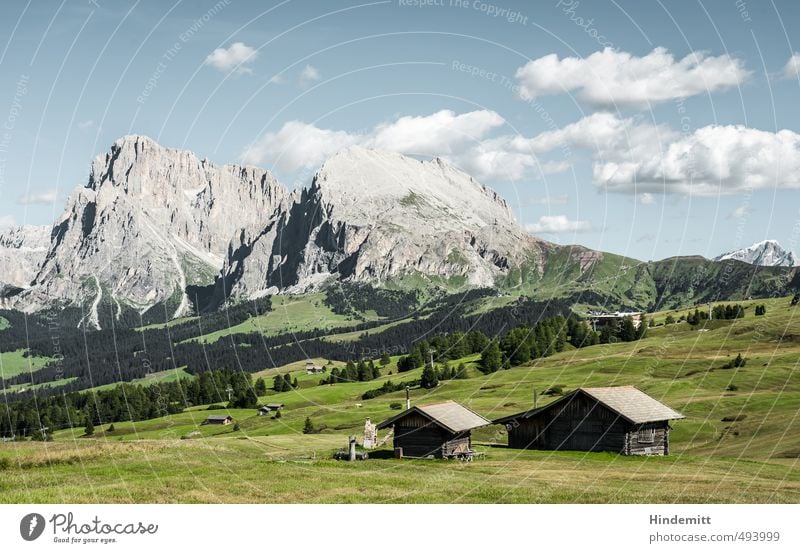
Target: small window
{"type": "Point", "coordinates": [646, 435]}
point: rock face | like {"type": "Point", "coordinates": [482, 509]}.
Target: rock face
{"type": "Point", "coordinates": [374, 216]}
{"type": "Point", "coordinates": [157, 225]}
{"type": "Point", "coordinates": [22, 250]}
{"type": "Point", "coordinates": [768, 253]}
{"type": "Point", "coordinates": [150, 222]}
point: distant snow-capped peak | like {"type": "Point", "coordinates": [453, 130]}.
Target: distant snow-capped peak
{"type": "Point", "coordinates": [767, 253]}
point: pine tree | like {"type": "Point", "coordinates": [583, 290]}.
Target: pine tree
{"type": "Point", "coordinates": [491, 358]}
{"type": "Point", "coordinates": [89, 430]}
{"type": "Point", "coordinates": [261, 387]}
{"type": "Point", "coordinates": [429, 379]}
{"type": "Point", "coordinates": [385, 359]}
{"type": "Point", "coordinates": [308, 427]}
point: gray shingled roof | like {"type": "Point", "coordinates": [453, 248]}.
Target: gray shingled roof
{"type": "Point", "coordinates": [450, 415]}
{"type": "Point", "coordinates": [633, 404]}
{"type": "Point", "coordinates": [628, 402]}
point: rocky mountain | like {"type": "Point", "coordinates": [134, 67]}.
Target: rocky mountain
{"type": "Point", "coordinates": [150, 223]}
{"type": "Point", "coordinates": [372, 216]}
{"type": "Point", "coordinates": [22, 250]}
{"type": "Point", "coordinates": [768, 253]}
{"type": "Point", "coordinates": [158, 229]}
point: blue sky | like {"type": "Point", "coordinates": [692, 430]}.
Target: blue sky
{"type": "Point", "coordinates": [648, 129]}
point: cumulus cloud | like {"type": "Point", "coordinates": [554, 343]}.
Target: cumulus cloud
{"type": "Point", "coordinates": [84, 125]}
{"type": "Point", "coordinates": [557, 224]}
{"type": "Point", "coordinates": [234, 58]}
{"type": "Point", "coordinates": [792, 68]}
{"type": "Point", "coordinates": [635, 157]}
{"type": "Point", "coordinates": [38, 198]}
{"type": "Point", "coordinates": [300, 145]}
{"type": "Point", "coordinates": [297, 145]}
{"type": "Point", "coordinates": [309, 74]}
{"type": "Point", "coordinates": [647, 199]}
{"type": "Point", "coordinates": [611, 78]}
{"type": "Point", "coordinates": [629, 155]}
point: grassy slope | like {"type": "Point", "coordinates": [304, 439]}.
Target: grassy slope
{"type": "Point", "coordinates": [289, 313]}
{"type": "Point", "coordinates": [13, 363]}
{"type": "Point", "coordinates": [154, 378]}
{"type": "Point", "coordinates": [752, 460]}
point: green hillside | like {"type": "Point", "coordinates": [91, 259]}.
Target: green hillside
{"type": "Point", "coordinates": [739, 443]}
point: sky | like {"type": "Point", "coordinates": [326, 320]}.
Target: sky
{"type": "Point", "coordinates": [644, 128]}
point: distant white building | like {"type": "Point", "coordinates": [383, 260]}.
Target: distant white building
{"type": "Point", "coordinates": [600, 319]}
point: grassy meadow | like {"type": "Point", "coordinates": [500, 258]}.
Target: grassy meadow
{"type": "Point", "coordinates": [740, 441]}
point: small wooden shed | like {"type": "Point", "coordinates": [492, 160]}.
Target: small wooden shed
{"type": "Point", "coordinates": [621, 419]}
{"type": "Point", "coordinates": [219, 419]}
{"type": "Point", "coordinates": [437, 430]}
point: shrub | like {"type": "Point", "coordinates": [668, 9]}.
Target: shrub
{"type": "Point", "coordinates": [236, 427]}
{"type": "Point", "coordinates": [396, 405]}
{"type": "Point", "coordinates": [734, 418]}
{"type": "Point", "coordinates": [732, 387]}
{"type": "Point", "coordinates": [553, 391]}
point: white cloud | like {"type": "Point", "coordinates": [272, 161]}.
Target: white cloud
{"type": "Point", "coordinates": [647, 199]}
{"type": "Point", "coordinates": [792, 68]}
{"type": "Point", "coordinates": [83, 125]}
{"type": "Point", "coordinates": [557, 224]}
{"type": "Point", "coordinates": [636, 157]}
{"type": "Point", "coordinates": [277, 79]}
{"type": "Point", "coordinates": [38, 198]}
{"type": "Point", "coordinates": [7, 221]}
{"type": "Point", "coordinates": [441, 133]}
{"type": "Point", "coordinates": [297, 145]}
{"type": "Point", "coordinates": [233, 58]}
{"type": "Point", "coordinates": [444, 133]}
{"type": "Point", "coordinates": [309, 74]}
{"type": "Point", "coordinates": [611, 78]}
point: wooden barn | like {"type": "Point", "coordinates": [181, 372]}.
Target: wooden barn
{"type": "Point", "coordinates": [219, 419]}
{"type": "Point", "coordinates": [621, 419]}
{"type": "Point", "coordinates": [437, 430]}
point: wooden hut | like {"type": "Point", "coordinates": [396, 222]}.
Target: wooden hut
{"type": "Point", "coordinates": [437, 430]}
{"type": "Point", "coordinates": [620, 419]}
{"type": "Point", "coordinates": [219, 419]}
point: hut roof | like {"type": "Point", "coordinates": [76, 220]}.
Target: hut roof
{"type": "Point", "coordinates": [449, 415]}
{"type": "Point", "coordinates": [218, 417]}
{"type": "Point", "coordinates": [628, 402]}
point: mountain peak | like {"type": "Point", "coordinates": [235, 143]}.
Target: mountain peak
{"type": "Point", "coordinates": [767, 253]}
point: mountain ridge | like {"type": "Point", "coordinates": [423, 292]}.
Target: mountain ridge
{"type": "Point", "coordinates": [766, 253]}
{"type": "Point", "coordinates": [160, 226]}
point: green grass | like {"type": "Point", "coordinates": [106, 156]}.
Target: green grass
{"type": "Point", "coordinates": [13, 363]}
{"type": "Point", "coordinates": [53, 384]}
{"type": "Point", "coordinates": [740, 441]}
{"type": "Point", "coordinates": [289, 314]}
{"type": "Point", "coordinates": [170, 375]}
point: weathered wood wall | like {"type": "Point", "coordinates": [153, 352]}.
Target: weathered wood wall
{"type": "Point", "coordinates": [584, 425]}
{"type": "Point", "coordinates": [421, 438]}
